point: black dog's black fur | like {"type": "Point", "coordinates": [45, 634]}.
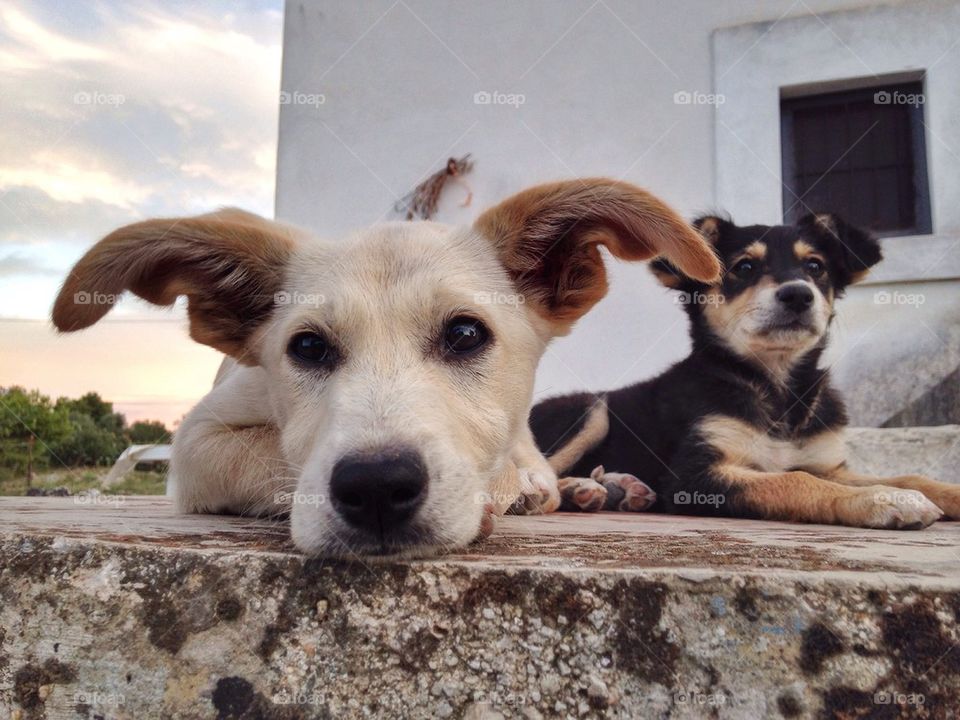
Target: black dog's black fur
{"type": "Point", "coordinates": [652, 424]}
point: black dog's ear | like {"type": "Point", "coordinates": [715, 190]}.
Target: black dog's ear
{"type": "Point", "coordinates": [712, 228]}
{"type": "Point", "coordinates": [855, 250]}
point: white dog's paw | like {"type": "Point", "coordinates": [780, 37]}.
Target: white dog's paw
{"type": "Point", "coordinates": [893, 509]}
{"type": "Point", "coordinates": [538, 493]}
{"type": "Point", "coordinates": [488, 522]}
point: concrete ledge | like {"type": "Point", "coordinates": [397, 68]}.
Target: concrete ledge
{"type": "Point", "coordinates": [931, 451]}
{"type": "Point", "coordinates": [128, 611]}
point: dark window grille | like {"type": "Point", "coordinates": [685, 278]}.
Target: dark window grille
{"type": "Point", "coordinates": [860, 154]}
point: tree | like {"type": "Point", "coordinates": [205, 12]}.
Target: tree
{"type": "Point", "coordinates": [87, 443]}
{"type": "Point", "coordinates": [28, 419]}
{"type": "Point", "coordinates": [71, 432]}
{"type": "Point", "coordinates": [148, 432]}
{"type": "Point", "coordinates": [97, 409]}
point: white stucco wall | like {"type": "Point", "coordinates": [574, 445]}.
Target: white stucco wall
{"type": "Point", "coordinates": [397, 83]}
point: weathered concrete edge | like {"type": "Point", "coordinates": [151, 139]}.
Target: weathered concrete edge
{"type": "Point", "coordinates": [878, 578]}
{"type": "Point", "coordinates": [183, 633]}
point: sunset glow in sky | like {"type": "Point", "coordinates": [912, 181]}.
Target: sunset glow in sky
{"type": "Point", "coordinates": [113, 112]}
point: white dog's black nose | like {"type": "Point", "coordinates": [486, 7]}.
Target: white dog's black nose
{"type": "Point", "coordinates": [379, 493]}
{"type": "Point", "coordinates": [796, 296]}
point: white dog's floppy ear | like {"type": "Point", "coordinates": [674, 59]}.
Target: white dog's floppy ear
{"type": "Point", "coordinates": [714, 230]}
{"type": "Point", "coordinates": [547, 238]}
{"type": "Point", "coordinates": [229, 264]}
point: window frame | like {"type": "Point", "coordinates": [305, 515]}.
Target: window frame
{"type": "Point", "coordinates": [923, 221]}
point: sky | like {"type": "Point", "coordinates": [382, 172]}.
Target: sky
{"type": "Point", "coordinates": [112, 112]}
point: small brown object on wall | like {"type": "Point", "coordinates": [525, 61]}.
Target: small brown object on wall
{"type": "Point", "coordinates": [421, 202]}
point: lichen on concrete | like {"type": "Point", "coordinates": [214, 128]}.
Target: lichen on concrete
{"type": "Point", "coordinates": [154, 629]}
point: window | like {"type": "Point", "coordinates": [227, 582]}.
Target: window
{"type": "Point", "coordinates": [860, 154]}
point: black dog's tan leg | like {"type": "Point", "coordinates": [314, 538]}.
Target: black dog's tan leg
{"type": "Point", "coordinates": [944, 495]}
{"type": "Point", "coordinates": [802, 497]}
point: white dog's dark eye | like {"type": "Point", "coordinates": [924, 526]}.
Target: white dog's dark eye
{"type": "Point", "coordinates": [310, 347]}
{"type": "Point", "coordinates": [814, 267]}
{"type": "Point", "coordinates": [465, 335]}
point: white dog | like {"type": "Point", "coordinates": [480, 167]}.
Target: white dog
{"type": "Point", "coordinates": [377, 388]}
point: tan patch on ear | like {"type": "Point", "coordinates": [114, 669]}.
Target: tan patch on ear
{"type": "Point", "coordinates": [858, 276]}
{"type": "Point", "coordinates": [826, 221]}
{"type": "Point", "coordinates": [228, 264]}
{"type": "Point", "coordinates": [710, 229]}
{"type": "Point", "coordinates": [547, 238]}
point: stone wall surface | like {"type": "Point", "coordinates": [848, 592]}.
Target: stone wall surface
{"type": "Point", "coordinates": [128, 611]}
{"type": "Point", "coordinates": [931, 451]}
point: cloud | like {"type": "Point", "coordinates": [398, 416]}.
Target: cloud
{"type": "Point", "coordinates": [117, 111]}
{"type": "Point", "coordinates": [17, 264]}
{"type": "Point", "coordinates": [38, 45]}
{"type": "Point", "coordinates": [112, 111]}
{"type": "Point", "coordinates": [68, 182]}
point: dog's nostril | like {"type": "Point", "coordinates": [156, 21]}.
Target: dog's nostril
{"type": "Point", "coordinates": [379, 492]}
{"type": "Point", "coordinates": [351, 499]}
{"type": "Point", "coordinates": [797, 297]}
{"type": "Point", "coordinates": [405, 495]}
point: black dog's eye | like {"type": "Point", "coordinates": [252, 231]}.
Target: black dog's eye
{"type": "Point", "coordinates": [744, 268]}
{"type": "Point", "coordinates": [311, 348]}
{"type": "Point", "coordinates": [464, 335]}
{"type": "Point", "coordinates": [814, 267]}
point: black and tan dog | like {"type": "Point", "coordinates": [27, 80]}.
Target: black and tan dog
{"type": "Point", "coordinates": [747, 425]}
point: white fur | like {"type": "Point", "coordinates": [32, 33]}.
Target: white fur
{"type": "Point", "coordinates": [267, 437]}
{"type": "Point", "coordinates": [383, 295]}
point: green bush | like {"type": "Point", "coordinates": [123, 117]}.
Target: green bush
{"type": "Point", "coordinates": [37, 434]}
{"type": "Point", "coordinates": [149, 432]}
{"type": "Point", "coordinates": [87, 444]}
